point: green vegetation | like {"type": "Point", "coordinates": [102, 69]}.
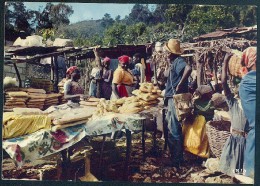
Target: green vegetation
{"type": "Point", "coordinates": [143, 24]}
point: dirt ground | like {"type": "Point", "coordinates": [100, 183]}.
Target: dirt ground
{"type": "Point", "coordinates": [112, 166]}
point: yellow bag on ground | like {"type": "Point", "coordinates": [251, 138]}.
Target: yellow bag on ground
{"type": "Point", "coordinates": [15, 125]}
{"type": "Point", "coordinates": [195, 138]}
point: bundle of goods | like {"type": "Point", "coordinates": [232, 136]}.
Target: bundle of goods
{"type": "Point", "coordinates": [130, 105]}
{"type": "Point", "coordinates": [9, 82]}
{"type": "Point", "coordinates": [123, 105]}
{"type": "Point", "coordinates": [148, 93]}
{"type": "Point", "coordinates": [234, 64]}
{"type": "Point", "coordinates": [105, 106]}
{"type": "Point", "coordinates": [36, 98]}
{"type": "Point", "coordinates": [90, 102]}
{"type": "Point", "coordinates": [47, 85]}
{"type": "Point", "coordinates": [71, 118]}
{"type": "Point", "coordinates": [15, 99]}
{"type": "Point", "coordinates": [22, 122]}
{"type": "Point", "coordinates": [51, 99]}
{"type": "Point", "coordinates": [217, 132]}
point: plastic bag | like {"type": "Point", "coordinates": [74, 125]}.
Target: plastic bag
{"type": "Point", "coordinates": [195, 138]}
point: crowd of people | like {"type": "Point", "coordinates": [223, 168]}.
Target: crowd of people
{"type": "Point", "coordinates": [238, 153]}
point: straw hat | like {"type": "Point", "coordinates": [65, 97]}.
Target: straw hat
{"type": "Point", "coordinates": [173, 46]}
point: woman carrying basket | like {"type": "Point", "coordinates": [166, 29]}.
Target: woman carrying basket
{"type": "Point", "coordinates": [232, 157]}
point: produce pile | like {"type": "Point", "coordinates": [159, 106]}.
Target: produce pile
{"type": "Point", "coordinates": [143, 98]}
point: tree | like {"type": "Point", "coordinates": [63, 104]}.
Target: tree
{"type": "Point", "coordinates": [60, 14]}
{"type": "Point", "coordinates": [115, 34]}
{"type": "Point", "coordinates": [140, 13]}
{"type": "Point", "coordinates": [117, 19]}
{"type": "Point", "coordinates": [205, 19]}
{"type": "Point", "coordinates": [54, 16]}
{"type": "Point", "coordinates": [107, 21]}
{"type": "Point", "coordinates": [133, 32]}
{"type": "Point", "coordinates": [18, 18]}
{"type": "Point", "coordinates": [159, 13]}
{"type": "Point", "coordinates": [44, 21]}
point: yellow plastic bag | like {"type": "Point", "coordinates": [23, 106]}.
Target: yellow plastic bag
{"type": "Point", "coordinates": [195, 138]}
{"type": "Point", "coordinates": [15, 125]}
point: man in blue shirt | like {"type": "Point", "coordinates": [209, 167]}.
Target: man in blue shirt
{"type": "Point", "coordinates": [177, 83]}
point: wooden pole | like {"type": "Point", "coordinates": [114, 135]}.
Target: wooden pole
{"type": "Point", "coordinates": [18, 75]}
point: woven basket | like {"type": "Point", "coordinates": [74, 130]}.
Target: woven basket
{"type": "Point", "coordinates": [235, 65]}
{"type": "Point", "coordinates": [217, 132]}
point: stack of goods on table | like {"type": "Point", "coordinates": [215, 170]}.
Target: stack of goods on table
{"type": "Point", "coordinates": [69, 117]}
{"type": "Point", "coordinates": [90, 102]}
{"type": "Point", "coordinates": [15, 99]}
{"type": "Point", "coordinates": [146, 96]}
{"type": "Point", "coordinates": [36, 98]}
{"type": "Point", "coordinates": [47, 85]}
{"type": "Point", "coordinates": [24, 121]}
{"type": "Point", "coordinates": [51, 99]}
{"type": "Point", "coordinates": [61, 90]}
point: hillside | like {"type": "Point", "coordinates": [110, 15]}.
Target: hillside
{"type": "Point", "coordinates": [83, 29]}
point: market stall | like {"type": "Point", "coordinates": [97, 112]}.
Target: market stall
{"type": "Point", "coordinates": [93, 118]}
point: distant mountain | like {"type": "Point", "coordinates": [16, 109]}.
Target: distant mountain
{"type": "Point", "coordinates": [82, 29]}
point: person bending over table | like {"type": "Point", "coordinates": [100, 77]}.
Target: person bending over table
{"type": "Point", "coordinates": [122, 84]}
{"type": "Point", "coordinates": [72, 89]}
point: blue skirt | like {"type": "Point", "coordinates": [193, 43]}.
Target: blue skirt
{"type": "Point", "coordinates": [232, 157]}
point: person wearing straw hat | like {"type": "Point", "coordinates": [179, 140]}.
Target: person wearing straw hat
{"type": "Point", "coordinates": [177, 83]}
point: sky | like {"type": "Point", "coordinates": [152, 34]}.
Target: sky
{"type": "Point", "coordinates": [88, 11]}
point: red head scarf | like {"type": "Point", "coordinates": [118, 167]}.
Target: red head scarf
{"type": "Point", "coordinates": [71, 70]}
{"type": "Point", "coordinates": [123, 59]}
{"type": "Point", "coordinates": [106, 59]}
{"type": "Point", "coordinates": [249, 56]}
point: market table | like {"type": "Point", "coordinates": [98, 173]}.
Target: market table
{"type": "Point", "coordinates": [43, 143]}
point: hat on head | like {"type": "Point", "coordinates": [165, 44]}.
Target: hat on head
{"type": "Point", "coordinates": [123, 59]}
{"type": "Point", "coordinates": [70, 70]}
{"type": "Point", "coordinates": [106, 59]}
{"type": "Point", "coordinates": [173, 46]}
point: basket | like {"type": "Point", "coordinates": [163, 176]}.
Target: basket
{"type": "Point", "coordinates": [235, 65]}
{"type": "Point", "coordinates": [218, 133]}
